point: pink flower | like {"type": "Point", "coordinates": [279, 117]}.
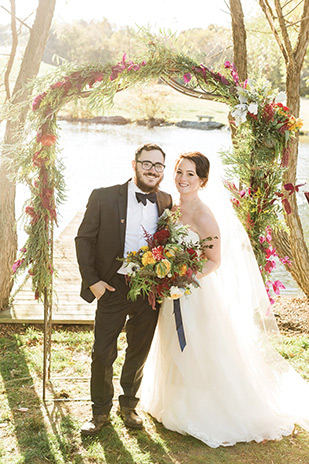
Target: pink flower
{"type": "Point", "coordinates": [235, 202]}
{"type": "Point", "coordinates": [187, 77]}
{"type": "Point", "coordinates": [270, 266]}
{"type": "Point", "coordinates": [17, 264]}
{"type": "Point", "coordinates": [286, 260]}
{"type": "Point", "coordinates": [276, 286]}
{"type": "Point", "coordinates": [268, 234]}
{"type": "Point", "coordinates": [262, 239]}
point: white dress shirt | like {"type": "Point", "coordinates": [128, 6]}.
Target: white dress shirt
{"type": "Point", "coordinates": [139, 218]}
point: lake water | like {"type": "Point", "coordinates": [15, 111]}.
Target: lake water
{"type": "Point", "coordinates": [101, 155]}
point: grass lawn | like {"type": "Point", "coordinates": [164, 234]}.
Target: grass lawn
{"type": "Point", "coordinates": [32, 432]}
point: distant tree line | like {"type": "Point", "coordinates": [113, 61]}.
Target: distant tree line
{"type": "Point", "coordinates": [101, 41]}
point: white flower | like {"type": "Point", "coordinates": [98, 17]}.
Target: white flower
{"type": "Point", "coordinates": [253, 108]}
{"type": "Point", "coordinates": [242, 95]}
{"type": "Point", "coordinates": [175, 293]}
{"type": "Point", "coordinates": [240, 113]}
{"type": "Point", "coordinates": [132, 268]}
{"type": "Point", "coordinates": [281, 97]}
{"type": "Point", "coordinates": [250, 83]}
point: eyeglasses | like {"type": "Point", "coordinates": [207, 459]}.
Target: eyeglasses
{"type": "Point", "coordinates": [147, 165]}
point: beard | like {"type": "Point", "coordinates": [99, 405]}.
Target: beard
{"type": "Point", "coordinates": [143, 186]}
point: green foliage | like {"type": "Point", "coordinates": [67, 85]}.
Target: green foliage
{"type": "Point", "coordinates": [259, 141]}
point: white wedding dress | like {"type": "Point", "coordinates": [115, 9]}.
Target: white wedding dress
{"type": "Point", "coordinates": [229, 384]}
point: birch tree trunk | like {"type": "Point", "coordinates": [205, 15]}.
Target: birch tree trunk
{"type": "Point", "coordinates": [28, 70]}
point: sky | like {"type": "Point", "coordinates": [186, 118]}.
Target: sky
{"type": "Point", "coordinates": [176, 15]}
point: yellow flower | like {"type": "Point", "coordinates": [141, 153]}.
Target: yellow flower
{"type": "Point", "coordinates": [188, 292]}
{"type": "Point", "coordinates": [170, 251]}
{"type": "Point", "coordinates": [145, 248]}
{"type": "Point", "coordinates": [183, 270]}
{"type": "Point", "coordinates": [147, 258]}
{"type": "Point", "coordinates": [163, 268]}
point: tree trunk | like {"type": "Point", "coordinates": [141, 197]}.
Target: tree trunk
{"type": "Point", "coordinates": [29, 69]}
{"type": "Point", "coordinates": [294, 245]}
{"type": "Point", "coordinates": [239, 39]}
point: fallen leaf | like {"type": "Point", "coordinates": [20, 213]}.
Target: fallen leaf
{"type": "Point", "coordinates": [23, 409]}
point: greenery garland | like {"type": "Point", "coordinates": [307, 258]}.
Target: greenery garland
{"type": "Point", "coordinates": [263, 129]}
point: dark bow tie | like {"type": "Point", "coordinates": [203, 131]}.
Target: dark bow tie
{"type": "Point", "coordinates": [143, 197]}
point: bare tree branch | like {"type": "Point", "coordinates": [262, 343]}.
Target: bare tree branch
{"type": "Point", "coordinates": [297, 22]}
{"type": "Point", "coordinates": [17, 19]}
{"type": "Point", "coordinates": [284, 32]}
{"type": "Point", "coordinates": [270, 16]}
{"type": "Point", "coordinates": [303, 36]}
{"type": "Point", "coordinates": [289, 12]}
{"type": "Point", "coordinates": [13, 51]}
{"type": "Point", "coordinates": [286, 3]}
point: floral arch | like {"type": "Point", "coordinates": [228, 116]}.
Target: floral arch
{"type": "Point", "coordinates": [262, 128]}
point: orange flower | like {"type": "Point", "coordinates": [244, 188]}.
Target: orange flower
{"type": "Point", "coordinates": [147, 258]}
{"type": "Point", "coordinates": [183, 270]}
{"type": "Point", "coordinates": [163, 268]}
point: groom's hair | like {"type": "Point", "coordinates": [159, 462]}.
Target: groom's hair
{"type": "Point", "coordinates": [201, 162]}
{"type": "Point", "coordinates": [148, 147]}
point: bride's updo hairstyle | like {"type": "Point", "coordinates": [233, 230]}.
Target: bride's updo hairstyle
{"type": "Point", "coordinates": [201, 162]}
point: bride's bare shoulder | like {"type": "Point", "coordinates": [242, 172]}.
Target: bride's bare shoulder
{"type": "Point", "coordinates": [206, 222]}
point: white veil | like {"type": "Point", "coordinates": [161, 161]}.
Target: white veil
{"type": "Point", "coordinates": [229, 359]}
{"type": "Point", "coordinates": [239, 272]}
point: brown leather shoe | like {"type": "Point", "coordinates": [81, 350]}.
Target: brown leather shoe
{"type": "Point", "coordinates": [95, 424]}
{"type": "Point", "coordinates": [130, 417]}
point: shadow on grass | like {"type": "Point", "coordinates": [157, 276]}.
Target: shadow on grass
{"type": "Point", "coordinates": [109, 441]}
{"type": "Point", "coordinates": [65, 434]}
{"type": "Point", "coordinates": [29, 427]}
{"type": "Point", "coordinates": [155, 449]}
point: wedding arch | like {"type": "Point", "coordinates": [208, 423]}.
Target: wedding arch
{"type": "Point", "coordinates": [261, 126]}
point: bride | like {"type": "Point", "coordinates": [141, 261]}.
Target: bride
{"type": "Point", "coordinates": [229, 384]}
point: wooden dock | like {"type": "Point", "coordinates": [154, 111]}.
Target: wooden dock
{"type": "Point", "coordinates": [68, 306]}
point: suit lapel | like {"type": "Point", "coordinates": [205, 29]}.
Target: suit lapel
{"type": "Point", "coordinates": [161, 206]}
{"type": "Point", "coordinates": [122, 211]}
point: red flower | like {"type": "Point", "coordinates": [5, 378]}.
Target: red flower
{"type": "Point", "coordinates": [38, 100]}
{"type": "Point", "coordinates": [161, 236]}
{"type": "Point", "coordinates": [287, 206]}
{"type": "Point", "coordinates": [35, 217]}
{"type": "Point", "coordinates": [46, 139]}
{"type": "Point", "coordinates": [285, 157]}
{"type": "Point", "coordinates": [189, 272]}
{"type": "Point", "coordinates": [157, 253]}
{"type": "Point", "coordinates": [162, 286]}
{"type": "Point", "coordinates": [37, 160]}
{"type": "Point", "coordinates": [47, 197]}
{"type": "Point", "coordinates": [96, 77]}
{"type": "Point", "coordinates": [192, 252]}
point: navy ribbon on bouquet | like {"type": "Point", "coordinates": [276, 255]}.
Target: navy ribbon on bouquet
{"type": "Point", "coordinates": [179, 325]}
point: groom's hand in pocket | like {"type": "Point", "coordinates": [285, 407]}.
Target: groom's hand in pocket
{"type": "Point", "coordinates": [99, 288]}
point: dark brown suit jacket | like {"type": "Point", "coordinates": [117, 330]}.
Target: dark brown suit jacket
{"type": "Point", "coordinates": [101, 235]}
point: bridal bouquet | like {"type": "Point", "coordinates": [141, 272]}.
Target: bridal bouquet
{"type": "Point", "coordinates": [167, 266]}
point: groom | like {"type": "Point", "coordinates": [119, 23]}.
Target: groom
{"type": "Point", "coordinates": [113, 225]}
